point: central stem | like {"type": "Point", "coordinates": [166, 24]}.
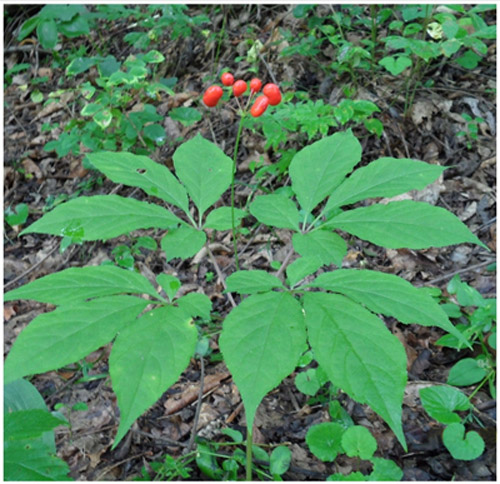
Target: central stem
{"type": "Point", "coordinates": [249, 455]}
{"type": "Point", "coordinates": [233, 225]}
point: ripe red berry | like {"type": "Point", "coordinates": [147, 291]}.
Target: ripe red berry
{"type": "Point", "coordinates": [239, 87]}
{"type": "Point", "coordinates": [272, 91]}
{"type": "Point", "coordinates": [259, 106]}
{"type": "Point", "coordinates": [227, 79]}
{"type": "Point", "coordinates": [255, 85]}
{"type": "Point", "coordinates": [212, 95]}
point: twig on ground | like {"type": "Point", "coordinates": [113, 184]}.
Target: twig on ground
{"type": "Point", "coordinates": [220, 275]}
{"type": "Point", "coordinates": [198, 406]}
{"type": "Point", "coordinates": [286, 260]}
{"type": "Point", "coordinates": [460, 271]}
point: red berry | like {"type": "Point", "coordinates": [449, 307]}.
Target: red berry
{"type": "Point", "coordinates": [212, 95]}
{"type": "Point", "coordinates": [272, 91]}
{"type": "Point", "coordinates": [239, 87]}
{"type": "Point", "coordinates": [255, 85]}
{"type": "Point", "coordinates": [259, 106]}
{"type": "Point", "coordinates": [227, 79]}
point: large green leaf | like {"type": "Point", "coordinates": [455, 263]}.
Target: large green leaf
{"type": "Point", "coordinates": [414, 225]}
{"type": "Point", "coordinates": [301, 268]}
{"type": "Point", "coordinates": [317, 169]}
{"type": "Point", "coordinates": [275, 210]}
{"type": "Point", "coordinates": [147, 358]}
{"type": "Point", "coordinates": [262, 340]}
{"type": "Point", "coordinates": [251, 282]}
{"type": "Point", "coordinates": [441, 403]}
{"type": "Point", "coordinates": [385, 177]}
{"type": "Point", "coordinates": [81, 283]}
{"type": "Point", "coordinates": [140, 171]}
{"type": "Point", "coordinates": [30, 424]}
{"type": "Point", "coordinates": [204, 169]}
{"type": "Point", "coordinates": [183, 242]}
{"type": "Point", "coordinates": [389, 295]}
{"type": "Point", "coordinates": [69, 333]}
{"type": "Point", "coordinates": [221, 218]}
{"type": "Point", "coordinates": [328, 246]}
{"type": "Point", "coordinates": [359, 354]}
{"type": "Point", "coordinates": [102, 217]}
{"type": "Point", "coordinates": [47, 33]}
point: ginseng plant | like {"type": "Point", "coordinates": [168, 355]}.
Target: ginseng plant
{"type": "Point", "coordinates": [280, 315]}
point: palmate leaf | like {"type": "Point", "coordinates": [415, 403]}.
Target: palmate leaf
{"type": "Point", "coordinates": [81, 283]}
{"type": "Point", "coordinates": [69, 333]}
{"type": "Point", "coordinates": [359, 354]}
{"type": "Point", "coordinates": [102, 217]}
{"type": "Point", "coordinates": [328, 246]}
{"type": "Point", "coordinates": [409, 224]}
{"type": "Point", "coordinates": [147, 358]}
{"type": "Point", "coordinates": [385, 177]}
{"type": "Point", "coordinates": [262, 340]}
{"type": "Point", "coordinates": [140, 171]}
{"type": "Point", "coordinates": [318, 169]}
{"type": "Point", "coordinates": [204, 169]}
{"type": "Point", "coordinates": [389, 295]}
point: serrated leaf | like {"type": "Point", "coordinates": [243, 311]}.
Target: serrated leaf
{"type": "Point", "coordinates": [462, 446]}
{"type": "Point", "coordinates": [317, 169]}
{"type": "Point", "coordinates": [30, 424]}
{"type": "Point", "coordinates": [204, 169]}
{"type": "Point", "coordinates": [352, 476]}
{"type": "Point", "coordinates": [169, 283]}
{"type": "Point", "coordinates": [220, 218]}
{"type": "Point", "coordinates": [195, 305]}
{"type": "Point", "coordinates": [140, 171]}
{"type": "Point", "coordinates": [102, 217]}
{"type": "Point", "coordinates": [357, 441]}
{"type": "Point", "coordinates": [275, 210]}
{"type": "Point", "coordinates": [81, 283]}
{"type": "Point", "coordinates": [328, 246]}
{"type": "Point", "coordinates": [395, 65]}
{"type": "Point", "coordinates": [262, 340]}
{"type": "Point", "coordinates": [385, 177]}
{"type": "Point", "coordinates": [389, 295]}
{"type": "Point", "coordinates": [409, 224]}
{"type": "Point", "coordinates": [79, 65]}
{"type": "Point", "coordinates": [147, 358]}
{"type": "Point", "coordinates": [185, 115]}
{"type": "Point", "coordinates": [324, 440]}
{"type": "Point", "coordinates": [302, 267]}
{"type": "Point", "coordinates": [441, 402]}
{"type": "Point", "coordinates": [251, 282]}
{"type": "Point", "coordinates": [359, 354]}
{"type": "Point", "coordinates": [183, 242]}
{"type": "Point", "coordinates": [69, 333]}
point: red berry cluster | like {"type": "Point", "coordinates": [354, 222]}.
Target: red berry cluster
{"type": "Point", "coordinates": [271, 93]}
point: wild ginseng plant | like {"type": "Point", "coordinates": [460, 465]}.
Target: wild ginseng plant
{"type": "Point", "coordinates": [336, 314]}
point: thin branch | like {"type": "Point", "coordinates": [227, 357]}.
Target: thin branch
{"type": "Point", "coordinates": [198, 406]}
{"type": "Point", "coordinates": [220, 275]}
{"type": "Point", "coordinates": [460, 271]}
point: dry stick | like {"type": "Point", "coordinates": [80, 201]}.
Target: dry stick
{"type": "Point", "coordinates": [285, 262]}
{"type": "Point", "coordinates": [166, 440]}
{"type": "Point", "coordinates": [198, 406]}
{"type": "Point", "coordinates": [261, 57]}
{"type": "Point", "coordinates": [220, 275]}
{"type": "Point", "coordinates": [460, 271]}
{"type": "Point", "coordinates": [119, 463]}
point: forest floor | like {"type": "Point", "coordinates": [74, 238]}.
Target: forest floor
{"type": "Point", "coordinates": [467, 188]}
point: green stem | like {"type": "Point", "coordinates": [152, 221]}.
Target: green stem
{"type": "Point", "coordinates": [235, 158]}
{"type": "Point", "coordinates": [485, 379]}
{"type": "Point", "coordinates": [249, 455]}
{"type": "Point", "coordinates": [373, 13]}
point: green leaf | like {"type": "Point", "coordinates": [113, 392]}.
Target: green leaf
{"type": "Point", "coordinates": [90, 109]}
{"type": "Point", "coordinates": [102, 217]}
{"type": "Point", "coordinates": [262, 340]}
{"type": "Point", "coordinates": [103, 118]}
{"type": "Point", "coordinates": [169, 283]}
{"type": "Point", "coordinates": [353, 476]}
{"type": "Point", "coordinates": [385, 470]}
{"type": "Point", "coordinates": [69, 333]}
{"type": "Point", "coordinates": [275, 210]}
{"type": "Point", "coordinates": [280, 460]}
{"type": "Point", "coordinates": [147, 358]}
{"type": "Point", "coordinates": [395, 65]}
{"type": "Point", "coordinates": [79, 65]}
{"type": "Point", "coordinates": [17, 216]}
{"type": "Point", "coordinates": [195, 305]}
{"type": "Point", "coordinates": [440, 402]}
{"type": "Point", "coordinates": [155, 132]}
{"type": "Point", "coordinates": [302, 267]}
{"type": "Point", "coordinates": [153, 57]}
{"type": "Point", "coordinates": [81, 283]}
{"type": "Point", "coordinates": [307, 382]}
{"type": "Point", "coordinates": [328, 246]}
{"type": "Point", "coordinates": [385, 177]}
{"type": "Point", "coordinates": [204, 169]}
{"type": "Point", "coordinates": [27, 27]}
{"type": "Point", "coordinates": [317, 169]}
{"type": "Point", "coordinates": [251, 282]}
{"type": "Point", "coordinates": [29, 424]}
{"type": "Point", "coordinates": [324, 440]}
{"type": "Point", "coordinates": [183, 242]}
{"type": "Point", "coordinates": [462, 446]}
{"type": "Point", "coordinates": [357, 441]}
{"type": "Point", "coordinates": [46, 31]}
{"type": "Point", "coordinates": [389, 295]}
{"type": "Point", "coordinates": [140, 171]}
{"type": "Point", "coordinates": [32, 461]}
{"type": "Point", "coordinates": [466, 372]}
{"type": "Point", "coordinates": [409, 224]}
{"type": "Point", "coordinates": [359, 354]}
{"type": "Point", "coordinates": [186, 116]}
{"type": "Point", "coordinates": [220, 218]}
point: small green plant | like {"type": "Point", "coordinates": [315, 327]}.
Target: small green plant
{"type": "Point", "coordinates": [472, 129]}
{"type": "Point", "coordinates": [18, 215]}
